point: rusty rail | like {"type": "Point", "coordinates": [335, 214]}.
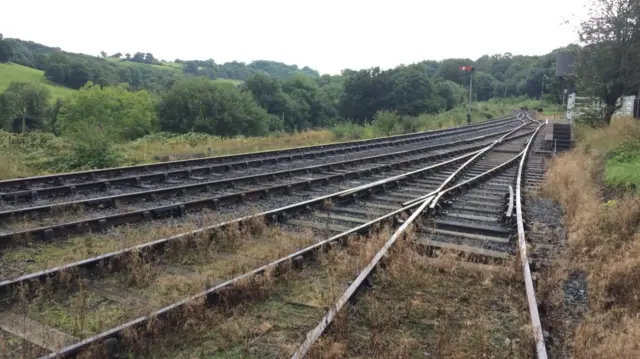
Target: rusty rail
{"type": "Point", "coordinates": [541, 351]}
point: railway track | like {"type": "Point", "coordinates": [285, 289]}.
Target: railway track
{"type": "Point", "coordinates": [98, 214]}
{"type": "Point", "coordinates": [464, 232]}
{"type": "Point", "coordinates": [129, 285]}
{"type": "Point", "coordinates": [124, 179]}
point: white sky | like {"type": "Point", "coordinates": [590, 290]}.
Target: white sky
{"type": "Point", "coordinates": [327, 35]}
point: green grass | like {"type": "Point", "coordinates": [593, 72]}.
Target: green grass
{"type": "Point", "coordinates": [171, 64]}
{"type": "Point", "coordinates": [232, 81]}
{"type": "Point", "coordinates": [15, 72]}
{"type": "Point", "coordinates": [622, 168]}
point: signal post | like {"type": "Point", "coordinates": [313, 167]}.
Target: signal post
{"type": "Point", "coordinates": [470, 70]}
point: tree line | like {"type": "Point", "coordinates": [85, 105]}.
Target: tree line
{"type": "Point", "coordinates": [262, 104]}
{"type": "Point", "coordinates": [606, 67]}
{"type": "Point", "coordinates": [518, 75]}
{"type": "Point", "coordinates": [74, 70]}
{"type": "Point", "coordinates": [274, 97]}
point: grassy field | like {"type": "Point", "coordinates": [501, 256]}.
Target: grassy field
{"type": "Point", "coordinates": [603, 241]}
{"type": "Point", "coordinates": [169, 66]}
{"type": "Point", "coordinates": [15, 72]}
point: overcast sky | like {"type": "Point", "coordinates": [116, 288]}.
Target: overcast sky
{"type": "Point", "coordinates": [327, 35]}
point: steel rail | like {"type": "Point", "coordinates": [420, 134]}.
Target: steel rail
{"type": "Point", "coordinates": [424, 202]}
{"type": "Point", "coordinates": [177, 210]}
{"type": "Point", "coordinates": [460, 185]}
{"type": "Point", "coordinates": [509, 213]}
{"type": "Point", "coordinates": [137, 179]}
{"type": "Point", "coordinates": [110, 201]}
{"type": "Point", "coordinates": [315, 333]}
{"type": "Point", "coordinates": [471, 160]}
{"type": "Point", "coordinates": [541, 351]}
{"type": "Point", "coordinates": [50, 232]}
{"type": "Point", "coordinates": [61, 178]}
{"type": "Point", "coordinates": [9, 286]}
{"type": "Point", "coordinates": [215, 294]}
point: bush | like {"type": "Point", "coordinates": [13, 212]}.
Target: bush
{"type": "Point", "coordinates": [384, 123]}
{"type": "Point", "coordinates": [111, 114]}
{"type": "Point", "coordinates": [84, 157]}
{"type": "Point", "coordinates": [592, 118]}
{"type": "Point", "coordinates": [348, 131]}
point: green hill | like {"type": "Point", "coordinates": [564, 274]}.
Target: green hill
{"type": "Point", "coordinates": [15, 72]}
{"type": "Point", "coordinates": [140, 70]}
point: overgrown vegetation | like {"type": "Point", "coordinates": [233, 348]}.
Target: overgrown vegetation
{"type": "Point", "coordinates": [440, 307]}
{"type": "Point", "coordinates": [387, 123]}
{"type": "Point", "coordinates": [607, 65]}
{"type": "Point", "coordinates": [38, 152]}
{"type": "Point", "coordinates": [125, 97]}
{"type": "Point", "coordinates": [603, 239]}
{"type": "Point", "coordinates": [622, 168]}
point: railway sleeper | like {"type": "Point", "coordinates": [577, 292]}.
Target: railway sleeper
{"type": "Point", "coordinates": [209, 297]}
{"type": "Point", "coordinates": [433, 248]}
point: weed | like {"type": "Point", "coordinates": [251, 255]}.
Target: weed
{"type": "Point", "coordinates": [603, 242]}
{"type": "Point", "coordinates": [440, 307]}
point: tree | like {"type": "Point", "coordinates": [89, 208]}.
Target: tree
{"type": "Point", "coordinates": [484, 86]}
{"type": "Point", "coordinates": [413, 92]}
{"type": "Point", "coordinates": [117, 55]}
{"type": "Point", "coordinates": [149, 59]}
{"type": "Point", "coordinates": [450, 93]}
{"type": "Point", "coordinates": [78, 75]}
{"type": "Point", "coordinates": [54, 111]}
{"type": "Point", "coordinates": [24, 106]}
{"type": "Point", "coordinates": [107, 115]}
{"type": "Point", "coordinates": [609, 64]}
{"type": "Point", "coordinates": [449, 69]}
{"type": "Point", "coordinates": [138, 57]}
{"type": "Point", "coordinates": [311, 106]}
{"type": "Point", "coordinates": [364, 93]}
{"type": "Point", "coordinates": [103, 54]}
{"type": "Point", "coordinates": [200, 105]}
{"type": "Point", "coordinates": [191, 67]}
{"type": "Point", "coordinates": [268, 93]}
{"type": "Point", "coordinates": [5, 50]}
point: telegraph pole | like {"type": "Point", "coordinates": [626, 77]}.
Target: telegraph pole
{"type": "Point", "coordinates": [504, 98]}
{"type": "Point", "coordinates": [470, 70]}
{"type": "Point", "coordinates": [542, 89]}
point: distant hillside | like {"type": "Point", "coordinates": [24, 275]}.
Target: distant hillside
{"type": "Point", "coordinates": [19, 73]}
{"type": "Point", "coordinates": [139, 70]}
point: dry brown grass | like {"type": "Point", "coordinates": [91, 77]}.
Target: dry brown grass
{"type": "Point", "coordinates": [433, 307]}
{"type": "Point", "coordinates": [443, 307]}
{"type": "Point", "coordinates": [273, 314]}
{"type": "Point", "coordinates": [82, 312]}
{"type": "Point", "coordinates": [603, 241]}
{"type": "Point", "coordinates": [600, 141]}
{"type": "Point", "coordinates": [173, 150]}
{"type": "Point", "coordinates": [33, 254]}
